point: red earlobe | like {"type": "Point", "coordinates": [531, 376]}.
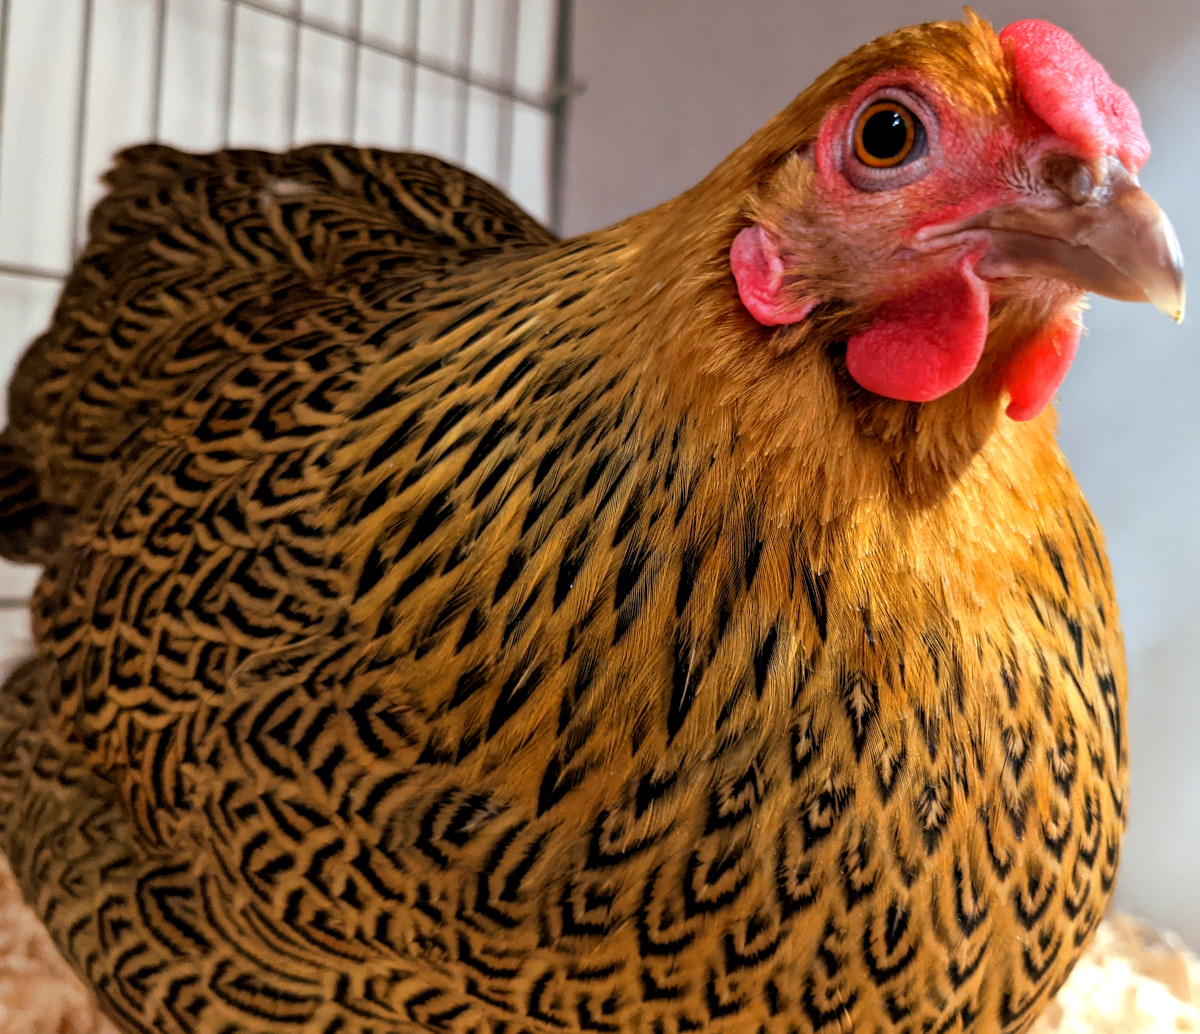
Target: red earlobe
{"type": "Point", "coordinates": [758, 269]}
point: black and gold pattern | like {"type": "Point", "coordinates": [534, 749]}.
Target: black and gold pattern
{"type": "Point", "coordinates": [409, 658]}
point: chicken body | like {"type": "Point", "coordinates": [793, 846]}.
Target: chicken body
{"type": "Point", "coordinates": [449, 628]}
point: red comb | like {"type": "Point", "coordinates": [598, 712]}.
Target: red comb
{"type": "Point", "coordinates": [1068, 90]}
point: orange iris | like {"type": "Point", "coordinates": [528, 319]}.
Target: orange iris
{"type": "Point", "coordinates": [884, 135]}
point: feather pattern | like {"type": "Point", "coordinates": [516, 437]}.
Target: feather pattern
{"type": "Point", "coordinates": [447, 627]}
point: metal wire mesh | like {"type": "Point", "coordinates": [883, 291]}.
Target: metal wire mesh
{"type": "Point", "coordinates": [483, 83]}
{"type": "Point", "coordinates": [501, 83]}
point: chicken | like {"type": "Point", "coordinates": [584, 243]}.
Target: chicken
{"type": "Point", "coordinates": [690, 625]}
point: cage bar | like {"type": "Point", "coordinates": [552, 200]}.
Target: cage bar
{"type": "Point", "coordinates": [293, 75]}
{"type": "Point", "coordinates": [160, 54]}
{"type": "Point", "coordinates": [353, 67]}
{"type": "Point", "coordinates": [85, 59]}
{"type": "Point", "coordinates": [408, 116]}
{"type": "Point", "coordinates": [5, 11]}
{"type": "Point", "coordinates": [228, 54]}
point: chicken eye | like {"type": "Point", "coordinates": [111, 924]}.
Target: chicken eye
{"type": "Point", "coordinates": [886, 134]}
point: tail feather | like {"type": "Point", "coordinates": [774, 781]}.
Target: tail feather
{"type": "Point", "coordinates": [28, 525]}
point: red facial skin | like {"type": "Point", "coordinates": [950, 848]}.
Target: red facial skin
{"type": "Point", "coordinates": [929, 308]}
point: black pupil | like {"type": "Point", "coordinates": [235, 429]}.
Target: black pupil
{"type": "Point", "coordinates": [885, 134]}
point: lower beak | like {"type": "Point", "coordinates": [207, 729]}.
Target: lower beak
{"type": "Point", "coordinates": [1117, 242]}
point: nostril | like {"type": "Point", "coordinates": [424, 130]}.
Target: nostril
{"type": "Point", "coordinates": [1082, 185]}
{"type": "Point", "coordinates": [1077, 181]}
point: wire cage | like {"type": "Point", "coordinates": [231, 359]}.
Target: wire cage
{"type": "Point", "coordinates": [482, 83]}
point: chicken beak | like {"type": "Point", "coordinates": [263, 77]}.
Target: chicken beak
{"type": "Point", "coordinates": [1111, 239]}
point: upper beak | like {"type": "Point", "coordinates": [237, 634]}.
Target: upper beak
{"type": "Point", "coordinates": [1108, 237]}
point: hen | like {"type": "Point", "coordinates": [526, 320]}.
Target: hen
{"type": "Point", "coordinates": [688, 626]}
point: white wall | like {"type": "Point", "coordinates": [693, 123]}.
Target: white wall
{"type": "Point", "coordinates": [674, 85]}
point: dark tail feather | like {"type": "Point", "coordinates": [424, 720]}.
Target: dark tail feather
{"type": "Point", "coordinates": [28, 525]}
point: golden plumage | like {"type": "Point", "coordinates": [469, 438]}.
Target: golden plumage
{"type": "Point", "coordinates": [445, 627]}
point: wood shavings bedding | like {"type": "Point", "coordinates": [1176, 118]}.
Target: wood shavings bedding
{"type": "Point", "coordinates": [39, 994]}
{"type": "Point", "coordinates": [1131, 981]}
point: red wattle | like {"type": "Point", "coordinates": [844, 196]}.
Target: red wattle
{"type": "Point", "coordinates": [1069, 90]}
{"type": "Point", "coordinates": [926, 342]}
{"type": "Point", "coordinates": [1039, 365]}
